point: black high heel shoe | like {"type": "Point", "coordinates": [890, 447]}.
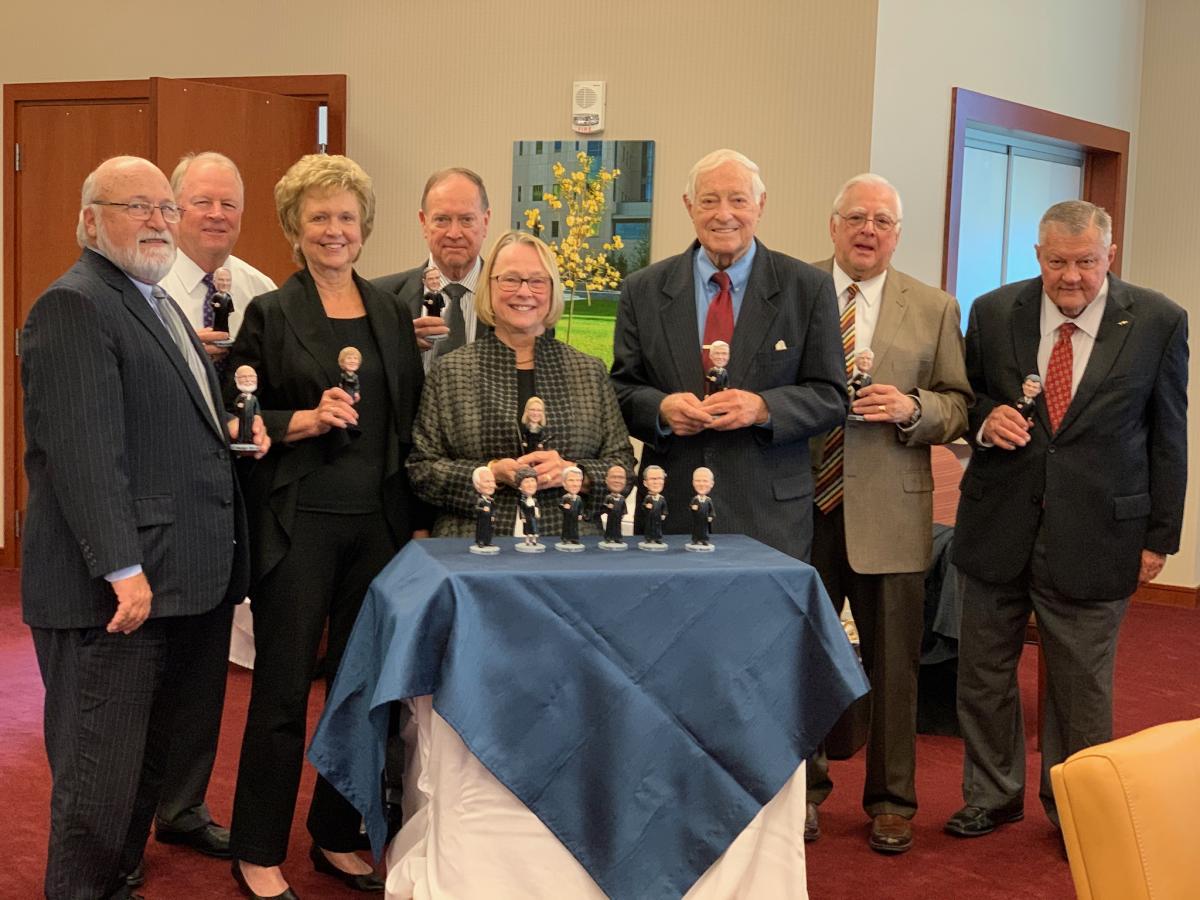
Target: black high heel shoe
{"type": "Point", "coordinates": [236, 869]}
{"type": "Point", "coordinates": [368, 884]}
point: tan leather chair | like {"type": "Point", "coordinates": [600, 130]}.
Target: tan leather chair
{"type": "Point", "coordinates": [1128, 812]}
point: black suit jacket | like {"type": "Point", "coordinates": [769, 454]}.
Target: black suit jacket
{"type": "Point", "coordinates": [1110, 482]}
{"type": "Point", "coordinates": [287, 338]}
{"type": "Point", "coordinates": [787, 347]}
{"type": "Point", "coordinates": [409, 289]}
{"type": "Point", "coordinates": [125, 463]}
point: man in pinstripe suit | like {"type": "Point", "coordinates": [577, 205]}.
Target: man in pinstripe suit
{"type": "Point", "coordinates": [136, 535]}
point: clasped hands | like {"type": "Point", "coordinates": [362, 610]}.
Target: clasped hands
{"type": "Point", "coordinates": [547, 463]}
{"type": "Point", "coordinates": [686, 414]}
{"type": "Point", "coordinates": [883, 403]}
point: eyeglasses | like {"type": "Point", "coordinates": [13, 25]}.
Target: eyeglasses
{"type": "Point", "coordinates": [882, 223]}
{"type": "Point", "coordinates": [142, 212]}
{"type": "Point", "coordinates": [510, 282]}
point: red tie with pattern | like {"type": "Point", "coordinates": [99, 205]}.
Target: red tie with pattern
{"type": "Point", "coordinates": [827, 490]}
{"type": "Point", "coordinates": [718, 326]}
{"type": "Point", "coordinates": [1059, 373]}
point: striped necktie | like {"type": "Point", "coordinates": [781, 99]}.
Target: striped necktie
{"type": "Point", "coordinates": [827, 491]}
{"type": "Point", "coordinates": [173, 320]}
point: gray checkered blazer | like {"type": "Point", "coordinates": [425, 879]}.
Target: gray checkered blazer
{"type": "Point", "coordinates": [469, 416]}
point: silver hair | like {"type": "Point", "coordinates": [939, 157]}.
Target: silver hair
{"type": "Point", "coordinates": [571, 470]}
{"type": "Point", "coordinates": [872, 179]}
{"type": "Point", "coordinates": [646, 471]}
{"type": "Point", "coordinates": [91, 192]}
{"type": "Point", "coordinates": [1076, 217]}
{"type": "Point", "coordinates": [719, 158]}
{"type": "Point", "coordinates": [208, 156]}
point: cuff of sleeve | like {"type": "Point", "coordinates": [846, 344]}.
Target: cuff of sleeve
{"type": "Point", "coordinates": [121, 574]}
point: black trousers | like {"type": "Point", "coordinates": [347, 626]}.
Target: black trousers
{"type": "Point", "coordinates": [110, 707]}
{"type": "Point", "coordinates": [889, 613]}
{"type": "Point", "coordinates": [324, 576]}
{"type": "Point", "coordinates": [194, 736]}
{"type": "Point", "coordinates": [1079, 644]}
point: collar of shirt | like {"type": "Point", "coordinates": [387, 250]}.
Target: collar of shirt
{"type": "Point", "coordinates": [1087, 321]}
{"type": "Point", "coordinates": [468, 281]}
{"type": "Point", "coordinates": [706, 290]}
{"type": "Point", "coordinates": [869, 291]}
{"type": "Point", "coordinates": [189, 274]}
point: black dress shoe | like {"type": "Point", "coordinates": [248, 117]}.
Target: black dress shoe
{"type": "Point", "coordinates": [236, 868]}
{"type": "Point", "coordinates": [974, 821]}
{"type": "Point", "coordinates": [210, 839]}
{"type": "Point", "coordinates": [812, 823]}
{"type": "Point", "coordinates": [890, 834]}
{"type": "Point", "coordinates": [369, 883]}
{"type": "Point", "coordinates": [137, 877]}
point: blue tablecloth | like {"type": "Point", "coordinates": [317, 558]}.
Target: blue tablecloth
{"type": "Point", "coordinates": [644, 706]}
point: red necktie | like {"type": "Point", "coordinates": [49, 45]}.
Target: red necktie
{"type": "Point", "coordinates": [718, 326]}
{"type": "Point", "coordinates": [1059, 373]}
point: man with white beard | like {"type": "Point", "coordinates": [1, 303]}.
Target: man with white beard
{"type": "Point", "coordinates": [135, 535]}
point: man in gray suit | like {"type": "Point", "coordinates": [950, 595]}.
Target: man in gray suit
{"type": "Point", "coordinates": [1065, 513]}
{"type": "Point", "coordinates": [872, 534]}
{"type": "Point", "coordinates": [454, 218]}
{"type": "Point", "coordinates": [135, 534]}
{"type": "Point", "coordinates": [786, 372]}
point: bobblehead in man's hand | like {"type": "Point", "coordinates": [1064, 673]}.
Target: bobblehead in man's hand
{"type": "Point", "coordinates": [427, 327]}
{"type": "Point", "coordinates": [733, 408]}
{"type": "Point", "coordinates": [1006, 428]}
{"type": "Point", "coordinates": [207, 337]}
{"type": "Point", "coordinates": [883, 403]}
{"type": "Point", "coordinates": [259, 438]}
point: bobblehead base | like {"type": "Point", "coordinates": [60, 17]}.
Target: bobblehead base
{"type": "Point", "coordinates": [700, 548]}
{"type": "Point", "coordinates": [653, 546]}
{"type": "Point", "coordinates": [569, 546]}
{"type": "Point", "coordinates": [227, 342]}
{"type": "Point", "coordinates": [613, 546]}
{"type": "Point", "coordinates": [522, 547]}
{"type": "Point", "coordinates": [489, 550]}
{"type": "Point", "coordinates": [244, 448]}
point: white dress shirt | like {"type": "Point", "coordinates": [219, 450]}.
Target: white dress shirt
{"type": "Point", "coordinates": [185, 284]}
{"type": "Point", "coordinates": [870, 298]}
{"type": "Point", "coordinates": [1087, 325]}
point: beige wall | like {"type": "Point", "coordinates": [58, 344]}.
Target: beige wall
{"type": "Point", "coordinates": [1168, 197]}
{"type": "Point", "coordinates": [433, 84]}
{"type": "Point", "coordinates": [1080, 58]}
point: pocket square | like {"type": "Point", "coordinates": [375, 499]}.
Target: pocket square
{"type": "Point", "coordinates": [780, 345]}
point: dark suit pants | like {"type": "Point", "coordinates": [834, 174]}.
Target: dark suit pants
{"type": "Point", "coordinates": [110, 702]}
{"type": "Point", "coordinates": [181, 806]}
{"type": "Point", "coordinates": [889, 613]}
{"type": "Point", "coordinates": [1078, 643]}
{"type": "Point", "coordinates": [330, 563]}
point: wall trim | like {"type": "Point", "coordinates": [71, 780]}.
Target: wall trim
{"type": "Point", "coordinates": [1168, 595]}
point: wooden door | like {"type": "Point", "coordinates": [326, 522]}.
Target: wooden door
{"type": "Point", "coordinates": [264, 133]}
{"type": "Point", "coordinates": [55, 134]}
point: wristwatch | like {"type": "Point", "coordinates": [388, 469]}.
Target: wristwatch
{"type": "Point", "coordinates": [916, 416]}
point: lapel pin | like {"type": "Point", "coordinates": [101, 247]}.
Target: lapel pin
{"type": "Point", "coordinates": [1123, 322]}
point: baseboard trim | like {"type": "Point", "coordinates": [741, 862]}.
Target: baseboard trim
{"type": "Point", "coordinates": [1168, 595]}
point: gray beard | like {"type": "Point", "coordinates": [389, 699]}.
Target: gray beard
{"type": "Point", "coordinates": [145, 266]}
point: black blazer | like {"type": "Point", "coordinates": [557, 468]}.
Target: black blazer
{"type": "Point", "coordinates": [289, 341]}
{"type": "Point", "coordinates": [409, 288]}
{"type": "Point", "coordinates": [787, 347]}
{"type": "Point", "coordinates": [125, 462]}
{"type": "Point", "coordinates": [1110, 482]}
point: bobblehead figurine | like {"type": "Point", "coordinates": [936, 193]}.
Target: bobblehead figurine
{"type": "Point", "coordinates": [533, 426]}
{"type": "Point", "coordinates": [485, 511]}
{"type": "Point", "coordinates": [702, 511]}
{"type": "Point", "coordinates": [527, 507]}
{"type": "Point", "coordinates": [434, 301]}
{"type": "Point", "coordinates": [717, 378]}
{"type": "Point", "coordinates": [1027, 402]}
{"type": "Point", "coordinates": [571, 505]}
{"type": "Point", "coordinates": [349, 361]}
{"type": "Point", "coordinates": [863, 363]}
{"type": "Point", "coordinates": [246, 407]}
{"type": "Point", "coordinates": [612, 507]}
{"type": "Point", "coordinates": [654, 509]}
{"type": "Point", "coordinates": [221, 303]}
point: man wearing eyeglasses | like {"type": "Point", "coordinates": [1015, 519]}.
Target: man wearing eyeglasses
{"type": "Point", "coordinates": [1065, 510]}
{"type": "Point", "coordinates": [135, 541]}
{"type": "Point", "coordinates": [209, 191]}
{"type": "Point", "coordinates": [454, 218]}
{"type": "Point", "coordinates": [208, 188]}
{"type": "Point", "coordinates": [786, 380]}
{"type": "Point", "coordinates": [873, 505]}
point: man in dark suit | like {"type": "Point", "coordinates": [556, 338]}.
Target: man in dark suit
{"type": "Point", "coordinates": [1065, 515]}
{"type": "Point", "coordinates": [786, 372]}
{"type": "Point", "coordinates": [135, 536]}
{"type": "Point", "coordinates": [872, 535]}
{"type": "Point", "coordinates": [454, 219]}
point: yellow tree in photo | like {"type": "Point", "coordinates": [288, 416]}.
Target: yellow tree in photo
{"type": "Point", "coordinates": [583, 268]}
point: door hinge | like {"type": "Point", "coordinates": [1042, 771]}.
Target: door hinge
{"type": "Point", "coordinates": [16, 523]}
{"type": "Point", "coordinates": [17, 341]}
{"type": "Point", "coordinates": [18, 157]}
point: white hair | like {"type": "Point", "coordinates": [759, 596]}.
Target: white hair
{"type": "Point", "coordinates": [91, 191]}
{"type": "Point", "coordinates": [718, 158]}
{"type": "Point", "coordinates": [208, 156]}
{"type": "Point", "coordinates": [872, 179]}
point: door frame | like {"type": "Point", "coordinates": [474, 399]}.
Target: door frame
{"type": "Point", "coordinates": [327, 89]}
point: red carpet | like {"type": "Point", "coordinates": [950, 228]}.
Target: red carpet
{"type": "Point", "coordinates": [1158, 679]}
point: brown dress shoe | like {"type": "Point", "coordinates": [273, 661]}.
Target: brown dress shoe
{"type": "Point", "coordinates": [891, 834]}
{"type": "Point", "coordinates": [812, 823]}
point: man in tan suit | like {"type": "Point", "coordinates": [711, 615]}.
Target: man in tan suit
{"type": "Point", "coordinates": [872, 526]}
